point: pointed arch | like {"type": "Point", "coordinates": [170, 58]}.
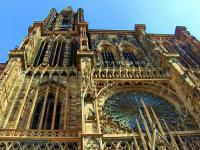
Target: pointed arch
{"type": "Point", "coordinates": [128, 46]}
{"type": "Point", "coordinates": [107, 54]}
{"type": "Point", "coordinates": [48, 108]}
{"type": "Point", "coordinates": [57, 51]}
{"type": "Point", "coordinates": [41, 51]}
{"type": "Point", "coordinates": [129, 53]}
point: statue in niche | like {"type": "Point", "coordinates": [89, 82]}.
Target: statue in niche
{"type": "Point", "coordinates": [89, 108]}
{"type": "Point", "coordinates": [91, 115]}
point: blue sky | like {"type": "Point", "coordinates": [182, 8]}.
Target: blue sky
{"type": "Point", "coordinates": [160, 16]}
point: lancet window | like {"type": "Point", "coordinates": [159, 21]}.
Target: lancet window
{"type": "Point", "coordinates": [41, 53]}
{"type": "Point", "coordinates": [108, 59]}
{"type": "Point", "coordinates": [47, 113]}
{"type": "Point", "coordinates": [73, 53]}
{"type": "Point", "coordinates": [130, 57]}
{"type": "Point", "coordinates": [57, 53]}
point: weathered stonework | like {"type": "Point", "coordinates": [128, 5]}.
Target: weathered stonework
{"type": "Point", "coordinates": [70, 87]}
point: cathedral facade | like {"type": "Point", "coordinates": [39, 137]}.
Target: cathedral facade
{"type": "Point", "coordinates": [68, 87]}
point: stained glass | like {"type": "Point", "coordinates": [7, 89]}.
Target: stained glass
{"type": "Point", "coordinates": [124, 108]}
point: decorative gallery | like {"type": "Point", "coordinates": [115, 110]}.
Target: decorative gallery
{"type": "Point", "coordinates": [69, 87]}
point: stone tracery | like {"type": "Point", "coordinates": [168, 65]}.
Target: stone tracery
{"type": "Point", "coordinates": [124, 108]}
{"type": "Point", "coordinates": [112, 88]}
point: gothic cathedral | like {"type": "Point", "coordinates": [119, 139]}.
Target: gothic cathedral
{"type": "Point", "coordinates": [68, 87]}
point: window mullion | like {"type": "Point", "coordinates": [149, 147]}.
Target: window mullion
{"type": "Point", "coordinates": [59, 52]}
{"type": "Point", "coordinates": [45, 120]}
{"type": "Point", "coordinates": [54, 108]}
{"type": "Point", "coordinates": [33, 105]}
{"type": "Point", "coordinates": [43, 107]}
{"type": "Point", "coordinates": [43, 45]}
{"type": "Point", "coordinates": [54, 53]}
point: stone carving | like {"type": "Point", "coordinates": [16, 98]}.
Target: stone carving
{"type": "Point", "coordinates": [74, 85]}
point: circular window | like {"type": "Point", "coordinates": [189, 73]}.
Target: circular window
{"type": "Point", "coordinates": [124, 109]}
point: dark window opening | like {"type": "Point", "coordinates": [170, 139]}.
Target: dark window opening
{"type": "Point", "coordinates": [47, 112]}
{"type": "Point", "coordinates": [53, 50]}
{"type": "Point", "coordinates": [57, 119]}
{"type": "Point", "coordinates": [41, 53]}
{"type": "Point", "coordinates": [129, 56]}
{"type": "Point", "coordinates": [73, 53]}
{"type": "Point", "coordinates": [49, 115]}
{"type": "Point", "coordinates": [37, 113]}
{"type": "Point", "coordinates": [47, 119]}
{"type": "Point", "coordinates": [56, 54]}
{"type": "Point", "coordinates": [64, 24]}
{"type": "Point", "coordinates": [108, 59]}
{"type": "Point", "coordinates": [62, 54]}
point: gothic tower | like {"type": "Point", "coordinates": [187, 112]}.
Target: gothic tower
{"type": "Point", "coordinates": [68, 87]}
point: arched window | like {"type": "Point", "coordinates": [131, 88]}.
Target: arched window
{"type": "Point", "coordinates": [129, 56]}
{"type": "Point", "coordinates": [41, 53]}
{"type": "Point", "coordinates": [64, 24]}
{"type": "Point", "coordinates": [108, 59]}
{"type": "Point", "coordinates": [50, 119]}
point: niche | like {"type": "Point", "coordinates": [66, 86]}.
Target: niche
{"type": "Point", "coordinates": [89, 110]}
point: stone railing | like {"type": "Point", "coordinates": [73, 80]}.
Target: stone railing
{"type": "Point", "coordinates": [37, 134]}
{"type": "Point", "coordinates": [130, 73]}
{"type": "Point", "coordinates": [38, 145]}
{"type": "Point", "coordinates": [189, 140]}
{"type": "Point", "coordinates": [127, 141]}
{"type": "Point", "coordinates": [39, 139]}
